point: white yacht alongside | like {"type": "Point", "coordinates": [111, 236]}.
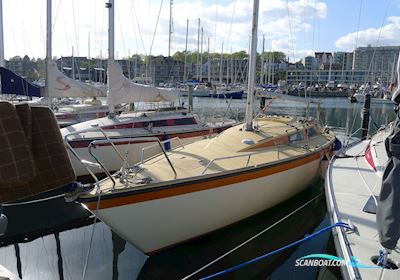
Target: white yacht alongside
{"type": "Point", "coordinates": [363, 189]}
{"type": "Point", "coordinates": [167, 125]}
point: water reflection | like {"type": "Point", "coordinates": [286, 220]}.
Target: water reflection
{"type": "Point", "coordinates": [335, 112]}
{"type": "Point", "coordinates": [62, 255]}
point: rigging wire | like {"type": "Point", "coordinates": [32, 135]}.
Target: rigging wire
{"type": "Point", "coordinates": [377, 41]}
{"type": "Point", "coordinates": [357, 37]}
{"type": "Point", "coordinates": [290, 28]}
{"type": "Point", "coordinates": [75, 28]}
{"type": "Point", "coordinates": [352, 71]}
{"type": "Point", "coordinates": [138, 26]}
{"type": "Point", "coordinates": [67, 34]}
{"type": "Point", "coordinates": [27, 41]}
{"type": "Point", "coordinates": [231, 23]}
{"type": "Point", "coordinates": [215, 26]}
{"type": "Point", "coordinates": [120, 29]}
{"type": "Point", "coordinates": [373, 54]}
{"type": "Point", "coordinates": [155, 28]}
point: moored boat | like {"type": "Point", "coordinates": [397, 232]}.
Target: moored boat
{"type": "Point", "coordinates": [212, 183]}
{"type": "Point", "coordinates": [361, 163]}
{"type": "Point", "coordinates": [201, 187]}
{"type": "Point", "coordinates": [370, 203]}
{"type": "Point", "coordinates": [176, 126]}
{"type": "Point", "coordinates": [227, 93]}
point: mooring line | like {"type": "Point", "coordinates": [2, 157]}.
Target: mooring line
{"type": "Point", "coordinates": [252, 238]}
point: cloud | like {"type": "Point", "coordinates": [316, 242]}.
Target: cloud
{"type": "Point", "coordinates": [135, 25]}
{"type": "Point", "coordinates": [388, 35]}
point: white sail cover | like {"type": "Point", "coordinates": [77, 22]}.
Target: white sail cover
{"type": "Point", "coordinates": [61, 86]}
{"type": "Point", "coordinates": [123, 90]}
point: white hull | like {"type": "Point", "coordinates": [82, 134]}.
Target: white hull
{"type": "Point", "coordinates": [158, 223]}
{"type": "Point", "coordinates": [349, 184]}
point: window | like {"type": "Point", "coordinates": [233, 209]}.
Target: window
{"type": "Point", "coordinates": [311, 132]}
{"type": "Point", "coordinates": [160, 123]}
{"type": "Point", "coordinates": [296, 137]}
{"type": "Point", "coordinates": [185, 121]}
{"type": "Point", "coordinates": [141, 124]}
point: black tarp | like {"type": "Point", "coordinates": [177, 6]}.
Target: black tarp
{"type": "Point", "coordinates": [12, 83]}
{"type": "Point", "coordinates": [388, 211]}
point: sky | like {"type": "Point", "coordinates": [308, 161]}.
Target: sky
{"type": "Point", "coordinates": [295, 27]}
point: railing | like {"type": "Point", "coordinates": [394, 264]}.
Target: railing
{"type": "Point", "coordinates": [248, 155]}
{"type": "Point", "coordinates": [155, 145]}
{"type": "Point", "coordinates": [96, 129]}
{"type": "Point", "coordinates": [96, 143]}
{"type": "Point", "coordinates": [86, 164]}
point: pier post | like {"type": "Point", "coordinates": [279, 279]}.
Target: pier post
{"type": "Point", "coordinates": [190, 95]}
{"type": "Point", "coordinates": [365, 116]}
{"type": "Point", "coordinates": [262, 102]}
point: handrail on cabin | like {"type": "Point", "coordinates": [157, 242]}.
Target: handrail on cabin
{"type": "Point", "coordinates": [162, 142]}
{"type": "Point", "coordinates": [248, 155]}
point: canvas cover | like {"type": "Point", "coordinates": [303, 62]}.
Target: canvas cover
{"type": "Point", "coordinates": [123, 90]}
{"type": "Point", "coordinates": [12, 83]}
{"type": "Point", "coordinates": [388, 212]}
{"type": "Point", "coordinates": [61, 86]}
{"type": "Point", "coordinates": [33, 158]}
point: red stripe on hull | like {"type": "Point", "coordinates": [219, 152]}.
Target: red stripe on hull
{"type": "Point", "coordinates": [85, 143]}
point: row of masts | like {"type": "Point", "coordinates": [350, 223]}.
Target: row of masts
{"type": "Point", "coordinates": [199, 59]}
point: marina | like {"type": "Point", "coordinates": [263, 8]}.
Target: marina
{"type": "Point", "coordinates": [215, 164]}
{"type": "Point", "coordinates": [38, 236]}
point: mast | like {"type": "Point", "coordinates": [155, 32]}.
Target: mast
{"type": "Point", "coordinates": [201, 55]}
{"type": "Point", "coordinates": [171, 2]}
{"type": "Point", "coordinates": [220, 64]}
{"type": "Point", "coordinates": [129, 63]}
{"type": "Point", "coordinates": [198, 49]}
{"type": "Point", "coordinates": [227, 70]}
{"type": "Point", "coordinates": [208, 61]}
{"type": "Point", "coordinates": [110, 7]}
{"type": "Point", "coordinates": [2, 63]}
{"type": "Point", "coordinates": [252, 68]}
{"type": "Point", "coordinates": [186, 43]}
{"type": "Point", "coordinates": [48, 51]}
{"type": "Point", "coordinates": [262, 62]}
{"type": "Point", "coordinates": [231, 65]}
{"type": "Point", "coordinates": [89, 57]}
{"type": "Point", "coordinates": [73, 64]}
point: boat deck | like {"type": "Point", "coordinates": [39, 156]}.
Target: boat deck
{"type": "Point", "coordinates": [351, 181]}
{"type": "Point", "coordinates": [233, 149]}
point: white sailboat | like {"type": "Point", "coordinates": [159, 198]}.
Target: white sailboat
{"type": "Point", "coordinates": [209, 184]}
{"type": "Point", "coordinates": [369, 204]}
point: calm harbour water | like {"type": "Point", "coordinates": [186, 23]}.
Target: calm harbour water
{"type": "Point", "coordinates": [43, 244]}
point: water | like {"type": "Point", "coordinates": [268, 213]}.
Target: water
{"type": "Point", "coordinates": [43, 244]}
